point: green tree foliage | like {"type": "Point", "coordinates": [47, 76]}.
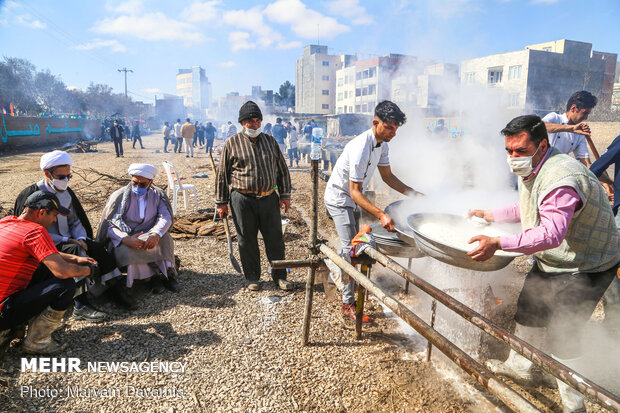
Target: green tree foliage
{"type": "Point", "coordinates": [32, 92]}
{"type": "Point", "coordinates": [286, 95]}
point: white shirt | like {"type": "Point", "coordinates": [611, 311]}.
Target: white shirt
{"type": "Point", "coordinates": [358, 162]}
{"type": "Point", "coordinates": [567, 142]}
{"type": "Point", "coordinates": [177, 130]}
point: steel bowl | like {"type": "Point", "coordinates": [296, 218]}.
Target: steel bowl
{"type": "Point", "coordinates": [399, 210]}
{"type": "Point", "coordinates": [449, 254]}
{"type": "Point", "coordinates": [388, 243]}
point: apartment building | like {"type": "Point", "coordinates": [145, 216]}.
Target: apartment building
{"type": "Point", "coordinates": [315, 79]}
{"type": "Point", "coordinates": [360, 86]}
{"type": "Point", "coordinates": [195, 88]}
{"type": "Point", "coordinates": [541, 77]}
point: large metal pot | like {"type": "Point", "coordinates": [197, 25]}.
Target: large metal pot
{"type": "Point", "coordinates": [388, 243]}
{"type": "Point", "coordinates": [449, 254]}
{"type": "Point", "coordinates": [399, 211]}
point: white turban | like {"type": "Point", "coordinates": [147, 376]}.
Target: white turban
{"type": "Point", "coordinates": [55, 158]}
{"type": "Point", "coordinates": [142, 169]}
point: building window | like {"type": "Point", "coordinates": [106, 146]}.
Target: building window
{"type": "Point", "coordinates": [372, 71]}
{"type": "Point", "coordinates": [325, 63]}
{"type": "Point", "coordinates": [358, 76]}
{"type": "Point", "coordinates": [339, 96]}
{"type": "Point", "coordinates": [364, 107]}
{"type": "Point", "coordinates": [365, 92]}
{"type": "Point", "coordinates": [325, 92]}
{"type": "Point", "coordinates": [325, 77]}
{"type": "Point", "coordinates": [365, 74]}
{"type": "Point", "coordinates": [470, 78]}
{"type": "Point", "coordinates": [339, 110]}
{"type": "Point", "coordinates": [350, 109]}
{"type": "Point", "coordinates": [339, 81]}
{"type": "Point", "coordinates": [546, 49]}
{"type": "Point", "coordinates": [513, 99]}
{"type": "Point", "coordinates": [372, 89]}
{"type": "Point", "coordinates": [324, 106]}
{"type": "Point", "coordinates": [514, 72]}
{"type": "Point", "coordinates": [495, 76]}
{"type": "Point", "coordinates": [358, 92]}
{"type": "Point", "coordinates": [357, 108]}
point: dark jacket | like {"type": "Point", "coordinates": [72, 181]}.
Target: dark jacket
{"type": "Point", "coordinates": [20, 202]}
{"type": "Point", "coordinates": [116, 132]}
{"type": "Point", "coordinates": [279, 133]}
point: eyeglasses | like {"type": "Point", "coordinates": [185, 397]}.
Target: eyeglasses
{"type": "Point", "coordinates": [140, 184]}
{"type": "Point", "coordinates": [63, 177]}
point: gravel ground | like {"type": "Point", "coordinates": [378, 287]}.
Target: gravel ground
{"type": "Point", "coordinates": [241, 350]}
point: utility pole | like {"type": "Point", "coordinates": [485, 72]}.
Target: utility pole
{"type": "Point", "coordinates": [125, 70]}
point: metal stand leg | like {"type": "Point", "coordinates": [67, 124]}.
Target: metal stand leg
{"type": "Point", "coordinates": [314, 174]}
{"type": "Point", "coordinates": [429, 347]}
{"type": "Point", "coordinates": [359, 309]}
{"type": "Point", "coordinates": [308, 305]}
{"type": "Point", "coordinates": [407, 281]}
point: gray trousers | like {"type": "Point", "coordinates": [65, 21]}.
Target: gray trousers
{"type": "Point", "coordinates": [346, 220]}
{"type": "Point", "coordinates": [252, 215]}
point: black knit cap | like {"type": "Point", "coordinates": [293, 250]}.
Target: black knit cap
{"type": "Point", "coordinates": [249, 110]}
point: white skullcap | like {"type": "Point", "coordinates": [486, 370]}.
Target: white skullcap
{"type": "Point", "coordinates": [55, 158]}
{"type": "Point", "coordinates": [142, 169]}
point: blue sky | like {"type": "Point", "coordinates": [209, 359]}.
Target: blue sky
{"type": "Point", "coordinates": [243, 43]}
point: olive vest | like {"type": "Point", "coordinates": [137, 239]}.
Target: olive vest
{"type": "Point", "coordinates": [592, 243]}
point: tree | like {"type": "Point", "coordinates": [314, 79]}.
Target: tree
{"type": "Point", "coordinates": [286, 95]}
{"type": "Point", "coordinates": [32, 92]}
{"type": "Point", "coordinates": [17, 85]}
{"type": "Point", "coordinates": [50, 92]}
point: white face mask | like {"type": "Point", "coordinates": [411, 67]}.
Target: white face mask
{"type": "Point", "coordinates": [60, 184]}
{"type": "Point", "coordinates": [522, 165]}
{"type": "Point", "coordinates": [252, 133]}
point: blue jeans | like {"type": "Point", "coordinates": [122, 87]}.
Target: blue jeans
{"type": "Point", "coordinates": [346, 220]}
{"type": "Point", "coordinates": [43, 290]}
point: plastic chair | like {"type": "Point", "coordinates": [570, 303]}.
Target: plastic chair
{"type": "Point", "coordinates": [179, 186]}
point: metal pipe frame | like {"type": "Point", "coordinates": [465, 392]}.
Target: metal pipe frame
{"type": "Point", "coordinates": [314, 175]}
{"type": "Point", "coordinates": [541, 359]}
{"type": "Point", "coordinates": [310, 262]}
{"type": "Point", "coordinates": [507, 395]}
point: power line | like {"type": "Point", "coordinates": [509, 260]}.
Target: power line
{"type": "Point", "coordinates": [125, 70]}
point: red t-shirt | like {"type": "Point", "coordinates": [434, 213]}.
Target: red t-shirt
{"type": "Point", "coordinates": [23, 245]}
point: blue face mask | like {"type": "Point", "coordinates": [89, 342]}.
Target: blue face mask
{"type": "Point", "coordinates": [139, 191]}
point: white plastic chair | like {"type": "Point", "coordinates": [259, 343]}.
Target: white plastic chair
{"type": "Point", "coordinates": [177, 186]}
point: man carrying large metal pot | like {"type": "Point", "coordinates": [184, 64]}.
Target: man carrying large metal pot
{"type": "Point", "coordinates": [344, 191]}
{"type": "Point", "coordinates": [569, 227]}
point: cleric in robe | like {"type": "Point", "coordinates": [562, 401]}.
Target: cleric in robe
{"type": "Point", "coordinates": [135, 225]}
{"type": "Point", "coordinates": [73, 234]}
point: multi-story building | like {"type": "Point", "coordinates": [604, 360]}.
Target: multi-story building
{"type": "Point", "coordinates": [195, 88]}
{"type": "Point", "coordinates": [360, 86]}
{"type": "Point", "coordinates": [425, 86]}
{"type": "Point", "coordinates": [315, 79]}
{"type": "Point", "coordinates": [170, 108]}
{"type": "Point", "coordinates": [542, 77]}
{"type": "Point", "coordinates": [265, 95]}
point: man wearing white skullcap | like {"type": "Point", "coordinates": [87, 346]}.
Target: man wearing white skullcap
{"type": "Point", "coordinates": [73, 234]}
{"type": "Point", "coordinates": [135, 224]}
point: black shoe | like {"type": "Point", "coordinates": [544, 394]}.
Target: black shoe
{"type": "Point", "coordinates": [172, 284]}
{"type": "Point", "coordinates": [122, 298]}
{"type": "Point", "coordinates": [157, 286]}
